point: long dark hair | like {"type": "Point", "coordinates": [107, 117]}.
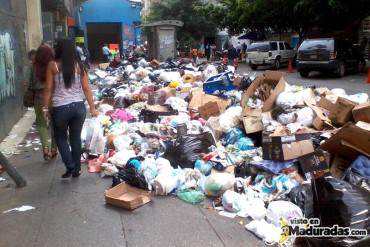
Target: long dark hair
{"type": "Point", "coordinates": [44, 55]}
{"type": "Point", "coordinates": [65, 51]}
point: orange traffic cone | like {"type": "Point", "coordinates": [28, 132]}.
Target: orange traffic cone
{"type": "Point", "coordinates": [368, 76]}
{"type": "Point", "coordinates": [290, 66]}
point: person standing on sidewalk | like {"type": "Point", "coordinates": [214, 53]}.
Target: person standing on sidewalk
{"type": "Point", "coordinates": [40, 60]}
{"type": "Point", "coordinates": [66, 82]}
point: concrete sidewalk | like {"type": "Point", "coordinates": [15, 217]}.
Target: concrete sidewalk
{"type": "Point", "coordinates": [72, 213]}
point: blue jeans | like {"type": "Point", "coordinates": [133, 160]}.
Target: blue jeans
{"type": "Point", "coordinates": [69, 118]}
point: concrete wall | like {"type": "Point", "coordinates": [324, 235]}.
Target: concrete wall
{"type": "Point", "coordinates": [13, 61]}
{"type": "Point", "coordinates": [112, 11]}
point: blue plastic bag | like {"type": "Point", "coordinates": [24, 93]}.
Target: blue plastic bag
{"type": "Point", "coordinates": [233, 135]}
{"type": "Point", "coordinates": [204, 167]}
{"type": "Point", "coordinates": [245, 143]}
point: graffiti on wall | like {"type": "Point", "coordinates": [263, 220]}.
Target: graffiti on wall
{"type": "Point", "coordinates": [7, 82]}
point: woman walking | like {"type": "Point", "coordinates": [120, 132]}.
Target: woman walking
{"type": "Point", "coordinates": [40, 60]}
{"type": "Point", "coordinates": [66, 83]}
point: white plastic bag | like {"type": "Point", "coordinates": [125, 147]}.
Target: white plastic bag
{"type": "Point", "coordinates": [233, 202]}
{"type": "Point", "coordinates": [177, 104]}
{"type": "Point", "coordinates": [97, 143]}
{"type": "Point", "coordinates": [122, 142]}
{"type": "Point", "coordinates": [286, 210]}
{"type": "Point", "coordinates": [230, 118]}
{"type": "Point", "coordinates": [287, 100]}
{"type": "Point", "coordinates": [108, 169]}
{"type": "Point", "coordinates": [305, 116]}
{"type": "Point", "coordinates": [269, 233]}
{"type": "Point", "coordinates": [120, 158]}
{"type": "Point", "coordinates": [218, 183]}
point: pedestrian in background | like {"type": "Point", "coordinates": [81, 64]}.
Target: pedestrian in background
{"type": "Point", "coordinates": [208, 51]}
{"type": "Point", "coordinates": [40, 60]}
{"type": "Point", "coordinates": [106, 53]}
{"type": "Point", "coordinates": [66, 82]}
{"type": "Point", "coordinates": [194, 54]}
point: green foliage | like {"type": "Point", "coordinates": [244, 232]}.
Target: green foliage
{"type": "Point", "coordinates": [280, 15]}
{"type": "Point", "coordinates": [197, 22]}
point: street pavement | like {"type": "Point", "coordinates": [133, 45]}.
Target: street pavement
{"type": "Point", "coordinates": [352, 83]}
{"type": "Point", "coordinates": [72, 212]}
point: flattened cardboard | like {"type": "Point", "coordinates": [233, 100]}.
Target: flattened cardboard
{"type": "Point", "coordinates": [103, 66]}
{"type": "Point", "coordinates": [361, 112]}
{"type": "Point", "coordinates": [271, 77]}
{"type": "Point", "coordinates": [212, 109]}
{"type": "Point", "coordinates": [126, 196]}
{"type": "Point", "coordinates": [349, 142]}
{"type": "Point", "coordinates": [282, 148]}
{"type": "Point", "coordinates": [157, 108]}
{"type": "Point", "coordinates": [252, 120]}
{"type": "Point", "coordinates": [342, 112]}
{"type": "Point", "coordinates": [313, 162]}
{"type": "Point", "coordinates": [198, 98]}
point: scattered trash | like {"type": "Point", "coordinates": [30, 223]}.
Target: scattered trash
{"type": "Point", "coordinates": [256, 146]}
{"type": "Point", "coordinates": [19, 209]}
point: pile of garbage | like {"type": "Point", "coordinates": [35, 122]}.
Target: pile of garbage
{"type": "Point", "coordinates": [259, 148]}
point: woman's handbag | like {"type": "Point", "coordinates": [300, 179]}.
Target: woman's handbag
{"type": "Point", "coordinates": [29, 98]}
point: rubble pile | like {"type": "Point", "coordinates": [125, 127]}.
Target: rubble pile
{"type": "Point", "coordinates": [259, 148]}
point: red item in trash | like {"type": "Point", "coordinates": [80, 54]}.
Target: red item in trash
{"type": "Point", "coordinates": [208, 157]}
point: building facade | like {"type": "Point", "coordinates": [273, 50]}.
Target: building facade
{"type": "Point", "coordinates": [111, 22]}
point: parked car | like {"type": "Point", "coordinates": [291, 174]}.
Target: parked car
{"type": "Point", "coordinates": [329, 55]}
{"type": "Point", "coordinates": [273, 53]}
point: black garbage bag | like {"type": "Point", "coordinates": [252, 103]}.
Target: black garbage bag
{"type": "Point", "coordinates": [353, 177]}
{"type": "Point", "coordinates": [131, 176]}
{"type": "Point", "coordinates": [337, 202]}
{"type": "Point", "coordinates": [153, 116]}
{"type": "Point", "coordinates": [187, 149]}
{"type": "Point", "coordinates": [302, 197]}
{"type": "Point", "coordinates": [359, 172]}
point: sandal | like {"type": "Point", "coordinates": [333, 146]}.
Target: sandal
{"type": "Point", "coordinates": [46, 153]}
{"type": "Point", "coordinates": [53, 153]}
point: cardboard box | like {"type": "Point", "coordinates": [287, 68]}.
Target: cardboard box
{"type": "Point", "coordinates": [326, 103]}
{"type": "Point", "coordinates": [282, 148]}
{"type": "Point", "coordinates": [238, 80]}
{"type": "Point", "coordinates": [103, 66]}
{"type": "Point", "coordinates": [338, 166]}
{"type": "Point", "coordinates": [361, 112]}
{"type": "Point", "coordinates": [252, 120]}
{"type": "Point", "coordinates": [349, 142]}
{"type": "Point", "coordinates": [198, 98]}
{"type": "Point", "coordinates": [313, 162]}
{"type": "Point", "coordinates": [211, 109]}
{"type": "Point", "coordinates": [321, 119]}
{"type": "Point", "coordinates": [274, 78]}
{"type": "Point", "coordinates": [342, 112]}
{"type": "Point", "coordinates": [126, 196]}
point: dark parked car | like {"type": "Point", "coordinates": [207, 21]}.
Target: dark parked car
{"type": "Point", "coordinates": [329, 55]}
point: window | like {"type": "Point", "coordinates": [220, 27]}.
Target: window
{"type": "Point", "coordinates": [287, 46]}
{"type": "Point", "coordinates": [273, 46]}
{"type": "Point", "coordinates": [258, 46]}
{"type": "Point", "coordinates": [281, 46]}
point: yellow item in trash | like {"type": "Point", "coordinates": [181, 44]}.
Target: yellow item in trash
{"type": "Point", "coordinates": [188, 78]}
{"type": "Point", "coordinates": [174, 84]}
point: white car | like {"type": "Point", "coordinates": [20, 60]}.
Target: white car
{"type": "Point", "coordinates": [272, 53]}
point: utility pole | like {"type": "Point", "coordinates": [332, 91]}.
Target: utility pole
{"type": "Point", "coordinates": [13, 173]}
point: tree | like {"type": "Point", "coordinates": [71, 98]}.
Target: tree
{"type": "Point", "coordinates": [196, 22]}
{"type": "Point", "coordinates": [280, 15]}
